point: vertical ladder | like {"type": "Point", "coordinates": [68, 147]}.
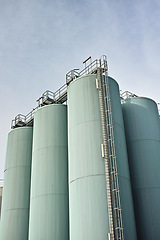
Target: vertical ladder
{"type": "Point", "coordinates": [112, 163]}
{"type": "Point", "coordinates": [116, 203]}
{"type": "Point", "coordinates": [106, 155]}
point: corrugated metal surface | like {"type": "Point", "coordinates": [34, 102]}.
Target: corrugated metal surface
{"type": "Point", "coordinates": [88, 201]}
{"type": "Point", "coordinates": [143, 143]}
{"type": "Point", "coordinates": [16, 192]}
{"type": "Point", "coordinates": [49, 185]}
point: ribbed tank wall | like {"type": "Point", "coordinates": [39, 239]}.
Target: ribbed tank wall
{"type": "Point", "coordinates": [143, 142]}
{"type": "Point", "coordinates": [49, 185]}
{"type": "Point", "coordinates": [16, 192]}
{"type": "Point", "coordinates": [87, 187]}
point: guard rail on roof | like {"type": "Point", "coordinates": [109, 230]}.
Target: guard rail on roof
{"type": "Point", "coordinates": [71, 75]}
{"type": "Point", "coordinates": [1, 186]}
{"type": "Point", "coordinates": [91, 68]}
{"type": "Point", "coordinates": [22, 120]}
{"type": "Point", "coordinates": [60, 96]}
{"type": "Point", "coordinates": [127, 94]}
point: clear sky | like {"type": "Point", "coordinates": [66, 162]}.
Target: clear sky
{"type": "Point", "coordinates": [41, 40]}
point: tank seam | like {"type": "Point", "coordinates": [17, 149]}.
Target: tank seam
{"type": "Point", "coordinates": [50, 194]}
{"type": "Point", "coordinates": [14, 209]}
{"type": "Point", "coordinates": [146, 188]}
{"type": "Point", "coordinates": [124, 178]}
{"type": "Point", "coordinates": [128, 179]}
{"type": "Point", "coordinates": [95, 121]}
{"type": "Point", "coordinates": [143, 140]}
{"type": "Point", "coordinates": [87, 177]}
{"type": "Point", "coordinates": [17, 167]}
{"type": "Point", "coordinates": [49, 147]}
{"type": "Point", "coordinates": [83, 123]}
{"type": "Point", "coordinates": [118, 125]}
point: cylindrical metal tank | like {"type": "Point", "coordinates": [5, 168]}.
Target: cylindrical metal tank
{"type": "Point", "coordinates": [143, 143]}
{"type": "Point", "coordinates": [16, 192]}
{"type": "Point", "coordinates": [87, 187]}
{"type": "Point", "coordinates": [49, 184]}
{"type": "Point", "coordinates": [1, 191]}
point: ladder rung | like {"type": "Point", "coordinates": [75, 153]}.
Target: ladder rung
{"type": "Point", "coordinates": [107, 119]}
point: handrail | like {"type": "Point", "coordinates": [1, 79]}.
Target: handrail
{"type": "Point", "coordinates": [60, 91]}
{"type": "Point", "coordinates": [127, 94]}
{"type": "Point", "coordinates": [1, 185]}
{"type": "Point", "coordinates": [30, 115]}
{"type": "Point", "coordinates": [88, 69]}
{"type": "Point", "coordinates": [72, 74]}
{"type": "Point", "coordinates": [61, 94]}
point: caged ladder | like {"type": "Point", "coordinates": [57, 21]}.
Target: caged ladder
{"type": "Point", "coordinates": [112, 182]}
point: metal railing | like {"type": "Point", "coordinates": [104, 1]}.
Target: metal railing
{"type": "Point", "coordinates": [46, 98]}
{"type": "Point", "coordinates": [30, 115]}
{"type": "Point", "coordinates": [60, 93]}
{"type": "Point", "coordinates": [60, 96]}
{"type": "Point", "coordinates": [1, 183]}
{"type": "Point", "coordinates": [19, 120]}
{"type": "Point", "coordinates": [91, 68]}
{"type": "Point", "coordinates": [22, 120]}
{"type": "Point", "coordinates": [106, 154]}
{"type": "Point", "coordinates": [127, 94]}
{"type": "Point", "coordinates": [114, 177]}
{"type": "Point", "coordinates": [71, 75]}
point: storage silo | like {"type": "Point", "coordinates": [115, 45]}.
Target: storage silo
{"type": "Point", "coordinates": [16, 192]}
{"type": "Point", "coordinates": [143, 142]}
{"type": "Point", "coordinates": [1, 192]}
{"type": "Point", "coordinates": [87, 186]}
{"type": "Point", "coordinates": [49, 184]}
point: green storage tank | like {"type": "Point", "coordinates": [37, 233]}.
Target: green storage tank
{"type": "Point", "coordinates": [1, 192]}
{"type": "Point", "coordinates": [49, 184]}
{"type": "Point", "coordinates": [87, 187]}
{"type": "Point", "coordinates": [143, 142]}
{"type": "Point", "coordinates": [16, 192]}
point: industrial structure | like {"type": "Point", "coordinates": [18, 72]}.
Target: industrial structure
{"type": "Point", "coordinates": [1, 193]}
{"type": "Point", "coordinates": [84, 164]}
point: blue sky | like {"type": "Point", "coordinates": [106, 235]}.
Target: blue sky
{"type": "Point", "coordinates": [41, 40]}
